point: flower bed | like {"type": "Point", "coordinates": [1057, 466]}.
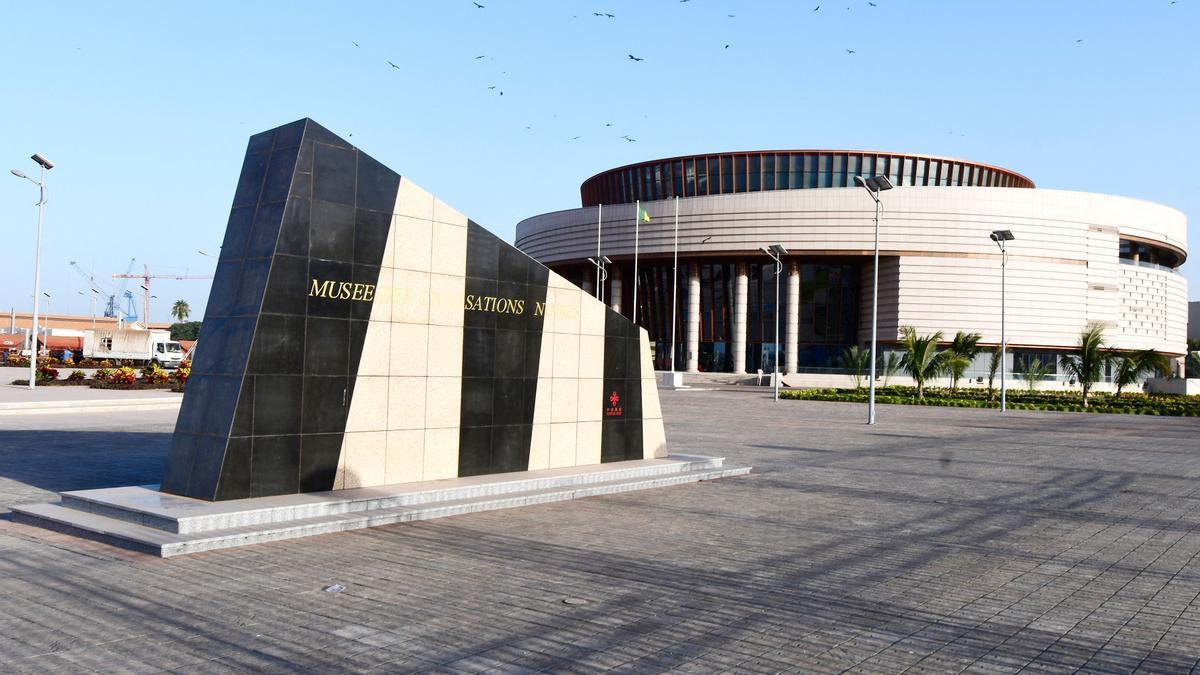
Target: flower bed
{"type": "Point", "coordinates": [1127, 403]}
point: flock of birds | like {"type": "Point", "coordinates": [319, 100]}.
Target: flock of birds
{"type": "Point", "coordinates": [639, 59]}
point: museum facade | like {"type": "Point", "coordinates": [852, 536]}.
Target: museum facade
{"type": "Point", "coordinates": [1077, 258]}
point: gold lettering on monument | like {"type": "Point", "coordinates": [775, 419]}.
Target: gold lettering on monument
{"type": "Point", "coordinates": [341, 290]}
{"type": "Point", "coordinates": [493, 304]}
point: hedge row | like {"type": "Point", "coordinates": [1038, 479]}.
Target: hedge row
{"type": "Point", "coordinates": [1127, 404]}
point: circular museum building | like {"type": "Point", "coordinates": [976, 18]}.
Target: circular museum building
{"type": "Point", "coordinates": [1075, 258]}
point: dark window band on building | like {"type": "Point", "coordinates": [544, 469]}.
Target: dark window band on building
{"type": "Point", "coordinates": [726, 173]}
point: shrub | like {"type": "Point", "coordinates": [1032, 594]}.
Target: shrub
{"type": "Point", "coordinates": [152, 374]}
{"type": "Point", "coordinates": [182, 373]}
{"type": "Point", "coordinates": [103, 375]}
{"type": "Point", "coordinates": [76, 376]}
{"type": "Point", "coordinates": [46, 374]}
{"type": "Point", "coordinates": [87, 363]}
{"type": "Point", "coordinates": [105, 364]}
{"type": "Point", "coordinates": [124, 375]}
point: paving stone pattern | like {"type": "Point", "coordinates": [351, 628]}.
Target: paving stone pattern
{"type": "Point", "coordinates": [937, 541]}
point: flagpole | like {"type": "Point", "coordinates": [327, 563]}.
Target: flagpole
{"type": "Point", "coordinates": [599, 281]}
{"type": "Point", "coordinates": [674, 283]}
{"type": "Point", "coordinates": [637, 218]}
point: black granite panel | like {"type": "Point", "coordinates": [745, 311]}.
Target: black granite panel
{"type": "Point", "coordinates": [221, 402]}
{"type": "Point", "coordinates": [326, 346]}
{"type": "Point", "coordinates": [276, 404]}
{"type": "Point", "coordinates": [293, 231]}
{"type": "Point", "coordinates": [279, 175]}
{"type": "Point", "coordinates": [206, 466]}
{"type": "Point", "coordinates": [243, 416]}
{"type": "Point", "coordinates": [237, 233]}
{"type": "Point", "coordinates": [319, 455]}
{"type": "Point", "coordinates": [334, 173]}
{"type": "Point", "coordinates": [223, 291]}
{"type": "Point", "coordinates": [287, 286]}
{"type": "Point", "coordinates": [358, 335]}
{"type": "Point", "coordinates": [325, 399]}
{"type": "Point", "coordinates": [621, 430]}
{"type": "Point", "coordinates": [289, 135]}
{"type": "Point", "coordinates": [479, 352]}
{"type": "Point", "coordinates": [265, 231]}
{"type": "Point", "coordinates": [513, 266]}
{"type": "Point", "coordinates": [366, 278]}
{"type": "Point", "coordinates": [331, 231]}
{"type": "Point", "coordinates": [508, 396]}
{"type": "Point", "coordinates": [254, 170]}
{"type": "Point", "coordinates": [235, 470]}
{"type": "Point", "coordinates": [234, 352]}
{"type": "Point", "coordinates": [304, 166]}
{"type": "Point", "coordinates": [377, 185]}
{"type": "Point", "coordinates": [251, 287]}
{"type": "Point", "coordinates": [370, 236]}
{"type": "Point", "coordinates": [474, 451]}
{"type": "Point", "coordinates": [261, 142]}
{"type": "Point", "coordinates": [510, 448]}
{"type": "Point", "coordinates": [477, 293]}
{"type": "Point", "coordinates": [483, 252]}
{"type": "Point", "coordinates": [477, 402]}
{"type": "Point", "coordinates": [276, 466]}
{"type": "Point", "coordinates": [510, 354]}
{"type": "Point", "coordinates": [179, 462]}
{"type": "Point", "coordinates": [318, 133]}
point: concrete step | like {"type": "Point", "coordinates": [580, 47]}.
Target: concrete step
{"type": "Point", "coordinates": [156, 541]}
{"type": "Point", "coordinates": [144, 505]}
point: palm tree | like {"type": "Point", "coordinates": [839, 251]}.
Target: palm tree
{"type": "Point", "coordinates": [922, 360]}
{"type": "Point", "coordinates": [1035, 372]}
{"type": "Point", "coordinates": [180, 310]}
{"type": "Point", "coordinates": [1087, 365]}
{"type": "Point", "coordinates": [855, 359]}
{"type": "Point", "coordinates": [963, 349]}
{"type": "Point", "coordinates": [993, 366]}
{"type": "Point", "coordinates": [1133, 367]}
{"type": "Point", "coordinates": [890, 366]}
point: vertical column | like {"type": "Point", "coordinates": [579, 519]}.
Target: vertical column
{"type": "Point", "coordinates": [739, 319]}
{"type": "Point", "coordinates": [615, 290]}
{"type": "Point", "coordinates": [693, 319]}
{"type": "Point", "coordinates": [792, 347]}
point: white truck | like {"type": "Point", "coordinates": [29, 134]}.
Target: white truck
{"type": "Point", "coordinates": [131, 344]}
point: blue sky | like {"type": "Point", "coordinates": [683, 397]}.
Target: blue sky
{"type": "Point", "coordinates": [146, 107]}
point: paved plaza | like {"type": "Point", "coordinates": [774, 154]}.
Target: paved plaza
{"type": "Point", "coordinates": [938, 540]}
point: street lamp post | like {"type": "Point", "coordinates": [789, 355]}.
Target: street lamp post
{"type": "Point", "coordinates": [1001, 236]}
{"type": "Point", "coordinates": [873, 187]}
{"type": "Point", "coordinates": [37, 259]}
{"type": "Point", "coordinates": [601, 264]}
{"type": "Point", "coordinates": [776, 252]}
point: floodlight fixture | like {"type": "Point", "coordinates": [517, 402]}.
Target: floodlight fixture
{"type": "Point", "coordinates": [46, 164]}
{"type": "Point", "coordinates": [1002, 235]}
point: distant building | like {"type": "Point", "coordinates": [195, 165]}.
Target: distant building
{"type": "Point", "coordinates": [1193, 321]}
{"type": "Point", "coordinates": [1077, 258]}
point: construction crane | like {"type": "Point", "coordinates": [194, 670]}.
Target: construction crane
{"type": "Point", "coordinates": [146, 278]}
{"type": "Point", "coordinates": [130, 314]}
{"type": "Point", "coordinates": [95, 289]}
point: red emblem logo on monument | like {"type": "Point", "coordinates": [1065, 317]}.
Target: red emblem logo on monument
{"type": "Point", "coordinates": [613, 409]}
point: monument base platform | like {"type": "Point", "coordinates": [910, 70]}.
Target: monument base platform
{"type": "Point", "coordinates": [144, 519]}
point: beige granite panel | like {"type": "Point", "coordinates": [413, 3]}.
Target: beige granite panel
{"type": "Point", "coordinates": [405, 456]}
{"type": "Point", "coordinates": [591, 316]}
{"type": "Point", "coordinates": [410, 296]}
{"type": "Point", "coordinates": [539, 447]}
{"type": "Point", "coordinates": [562, 311]}
{"type": "Point", "coordinates": [406, 402]}
{"type": "Point", "coordinates": [557, 280]}
{"type": "Point", "coordinates": [564, 407]}
{"type": "Point", "coordinates": [409, 349]}
{"type": "Point", "coordinates": [389, 249]}
{"type": "Point", "coordinates": [413, 201]}
{"type": "Point", "coordinates": [654, 439]}
{"type": "Point", "coordinates": [447, 295]}
{"type": "Point", "coordinates": [588, 443]}
{"type": "Point", "coordinates": [381, 306]}
{"type": "Point", "coordinates": [650, 406]}
{"type": "Point", "coordinates": [414, 244]}
{"type": "Point", "coordinates": [441, 454]}
{"type": "Point", "coordinates": [444, 213]}
{"type": "Point", "coordinates": [566, 354]}
{"type": "Point", "coordinates": [366, 455]}
{"type": "Point", "coordinates": [377, 351]}
{"type": "Point", "coordinates": [443, 402]}
{"type": "Point", "coordinates": [339, 478]}
{"type": "Point", "coordinates": [449, 249]}
{"type": "Point", "coordinates": [543, 397]}
{"type": "Point", "coordinates": [368, 405]}
{"type": "Point", "coordinates": [590, 403]}
{"type": "Point", "coordinates": [562, 445]}
{"type": "Point", "coordinates": [646, 362]}
{"type": "Point", "coordinates": [591, 356]}
{"type": "Point", "coordinates": [445, 351]}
